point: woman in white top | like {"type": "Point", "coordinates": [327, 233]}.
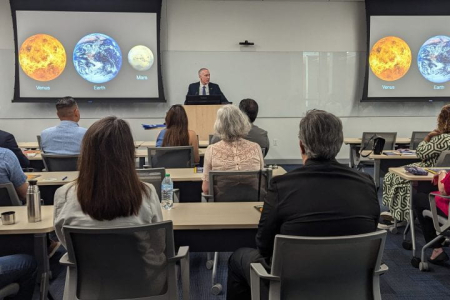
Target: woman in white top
{"type": "Point", "coordinates": [233, 152]}
{"type": "Point", "coordinates": [108, 192]}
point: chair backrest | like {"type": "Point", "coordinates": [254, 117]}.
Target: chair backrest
{"type": "Point", "coordinates": [154, 176]}
{"type": "Point", "coordinates": [443, 159]}
{"type": "Point", "coordinates": [9, 290]}
{"type": "Point", "coordinates": [55, 163]}
{"type": "Point", "coordinates": [416, 138]}
{"type": "Point", "coordinates": [327, 267]}
{"type": "Point", "coordinates": [123, 262]}
{"type": "Point", "coordinates": [389, 137]}
{"type": "Point", "coordinates": [8, 195]}
{"type": "Point", "coordinates": [210, 138]}
{"type": "Point", "coordinates": [239, 186]}
{"type": "Point", "coordinates": [263, 150]}
{"type": "Point", "coordinates": [39, 142]}
{"type": "Point", "coordinates": [171, 157]}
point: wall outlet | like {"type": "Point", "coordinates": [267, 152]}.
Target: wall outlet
{"type": "Point", "coordinates": [275, 142]}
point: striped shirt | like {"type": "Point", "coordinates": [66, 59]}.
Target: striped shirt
{"type": "Point", "coordinates": [64, 139]}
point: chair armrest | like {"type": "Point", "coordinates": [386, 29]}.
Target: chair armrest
{"type": "Point", "coordinates": [383, 269]}
{"type": "Point", "coordinates": [262, 273]}
{"type": "Point", "coordinates": [176, 195]}
{"type": "Point", "coordinates": [207, 198]}
{"type": "Point", "coordinates": [433, 209]}
{"type": "Point", "coordinates": [64, 260]}
{"type": "Point", "coordinates": [257, 272]}
{"type": "Point", "coordinates": [182, 253]}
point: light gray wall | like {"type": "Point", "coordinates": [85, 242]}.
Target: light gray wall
{"type": "Point", "coordinates": [306, 55]}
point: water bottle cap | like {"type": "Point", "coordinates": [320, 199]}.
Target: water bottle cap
{"type": "Point", "coordinates": [32, 182]}
{"type": "Point", "coordinates": [167, 175]}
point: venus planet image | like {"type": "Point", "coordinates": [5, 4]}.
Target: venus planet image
{"type": "Point", "coordinates": [42, 57]}
{"type": "Point", "coordinates": [141, 58]}
{"type": "Point", "coordinates": [390, 58]}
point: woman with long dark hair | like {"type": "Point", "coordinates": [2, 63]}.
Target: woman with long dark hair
{"type": "Point", "coordinates": [177, 132]}
{"type": "Point", "coordinates": [108, 192]}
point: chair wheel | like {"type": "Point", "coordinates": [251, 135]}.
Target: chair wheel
{"type": "Point", "coordinates": [209, 264]}
{"type": "Point", "coordinates": [407, 245]}
{"type": "Point", "coordinates": [415, 262]}
{"type": "Point", "coordinates": [423, 266]}
{"type": "Point", "coordinates": [393, 230]}
{"type": "Point", "coordinates": [216, 289]}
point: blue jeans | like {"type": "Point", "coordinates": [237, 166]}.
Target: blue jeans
{"type": "Point", "coordinates": [21, 269]}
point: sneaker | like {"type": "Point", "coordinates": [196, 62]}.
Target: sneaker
{"type": "Point", "coordinates": [386, 216]}
{"type": "Point", "coordinates": [52, 248]}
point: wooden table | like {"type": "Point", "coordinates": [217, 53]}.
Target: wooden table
{"type": "Point", "coordinates": [383, 162]}
{"type": "Point", "coordinates": [137, 144]}
{"type": "Point", "coordinates": [141, 154]}
{"type": "Point", "coordinates": [201, 143]}
{"type": "Point", "coordinates": [210, 227]}
{"type": "Point", "coordinates": [39, 230]}
{"type": "Point", "coordinates": [355, 145]}
{"type": "Point", "coordinates": [181, 174]}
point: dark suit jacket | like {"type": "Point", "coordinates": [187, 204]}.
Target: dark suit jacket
{"type": "Point", "coordinates": [214, 89]}
{"type": "Point", "coordinates": [8, 141]}
{"type": "Point", "coordinates": [255, 135]}
{"type": "Point", "coordinates": [322, 198]}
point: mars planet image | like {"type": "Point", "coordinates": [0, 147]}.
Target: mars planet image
{"type": "Point", "coordinates": [42, 57]}
{"type": "Point", "coordinates": [390, 58]}
{"type": "Point", "coordinates": [140, 58]}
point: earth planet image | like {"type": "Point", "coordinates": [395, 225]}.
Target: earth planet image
{"type": "Point", "coordinates": [97, 58]}
{"type": "Point", "coordinates": [433, 59]}
{"type": "Point", "coordinates": [42, 57]}
{"type": "Point", "coordinates": [141, 58]}
{"type": "Point", "coordinates": [390, 58]}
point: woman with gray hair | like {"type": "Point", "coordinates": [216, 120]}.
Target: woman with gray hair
{"type": "Point", "coordinates": [233, 152]}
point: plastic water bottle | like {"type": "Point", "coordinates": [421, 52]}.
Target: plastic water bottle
{"type": "Point", "coordinates": [33, 202]}
{"type": "Point", "coordinates": [167, 192]}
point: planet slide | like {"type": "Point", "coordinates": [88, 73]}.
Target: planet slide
{"type": "Point", "coordinates": [390, 59]}
{"type": "Point", "coordinates": [97, 58]}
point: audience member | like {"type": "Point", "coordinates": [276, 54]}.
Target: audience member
{"type": "Point", "coordinates": [321, 198]}
{"type": "Point", "coordinates": [177, 133]}
{"type": "Point", "coordinates": [256, 134]}
{"type": "Point", "coordinates": [10, 171]}
{"type": "Point", "coordinates": [396, 190]}
{"type": "Point", "coordinates": [421, 203]}
{"type": "Point", "coordinates": [21, 269]}
{"type": "Point", "coordinates": [64, 139]}
{"type": "Point", "coordinates": [233, 152]}
{"type": "Point", "coordinates": [108, 192]}
{"type": "Point", "coordinates": [8, 141]}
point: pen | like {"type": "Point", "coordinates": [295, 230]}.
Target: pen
{"type": "Point", "coordinates": [65, 177]}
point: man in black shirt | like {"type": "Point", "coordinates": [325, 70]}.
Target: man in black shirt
{"type": "Point", "coordinates": [8, 141]}
{"type": "Point", "coordinates": [322, 198]}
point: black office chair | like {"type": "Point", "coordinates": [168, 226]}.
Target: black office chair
{"type": "Point", "coordinates": [39, 142]}
{"type": "Point", "coordinates": [340, 267]}
{"type": "Point", "coordinates": [234, 186]}
{"type": "Point", "coordinates": [444, 159]}
{"type": "Point", "coordinates": [57, 163]}
{"type": "Point", "coordinates": [8, 195]}
{"type": "Point", "coordinates": [135, 262]}
{"type": "Point", "coordinates": [416, 138]}
{"type": "Point", "coordinates": [171, 157]}
{"type": "Point", "coordinates": [154, 176]}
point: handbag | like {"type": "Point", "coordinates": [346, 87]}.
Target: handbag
{"type": "Point", "coordinates": [377, 147]}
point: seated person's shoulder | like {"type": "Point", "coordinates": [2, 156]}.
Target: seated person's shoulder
{"type": "Point", "coordinates": [6, 154]}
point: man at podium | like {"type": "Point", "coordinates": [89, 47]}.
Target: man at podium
{"type": "Point", "coordinates": [205, 88]}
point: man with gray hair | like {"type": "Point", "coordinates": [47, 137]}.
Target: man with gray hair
{"type": "Point", "coordinates": [321, 198]}
{"type": "Point", "coordinates": [64, 139]}
{"type": "Point", "coordinates": [204, 87]}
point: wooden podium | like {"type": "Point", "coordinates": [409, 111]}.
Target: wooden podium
{"type": "Point", "coordinates": [201, 119]}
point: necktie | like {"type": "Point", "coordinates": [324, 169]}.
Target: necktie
{"type": "Point", "coordinates": [204, 90]}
